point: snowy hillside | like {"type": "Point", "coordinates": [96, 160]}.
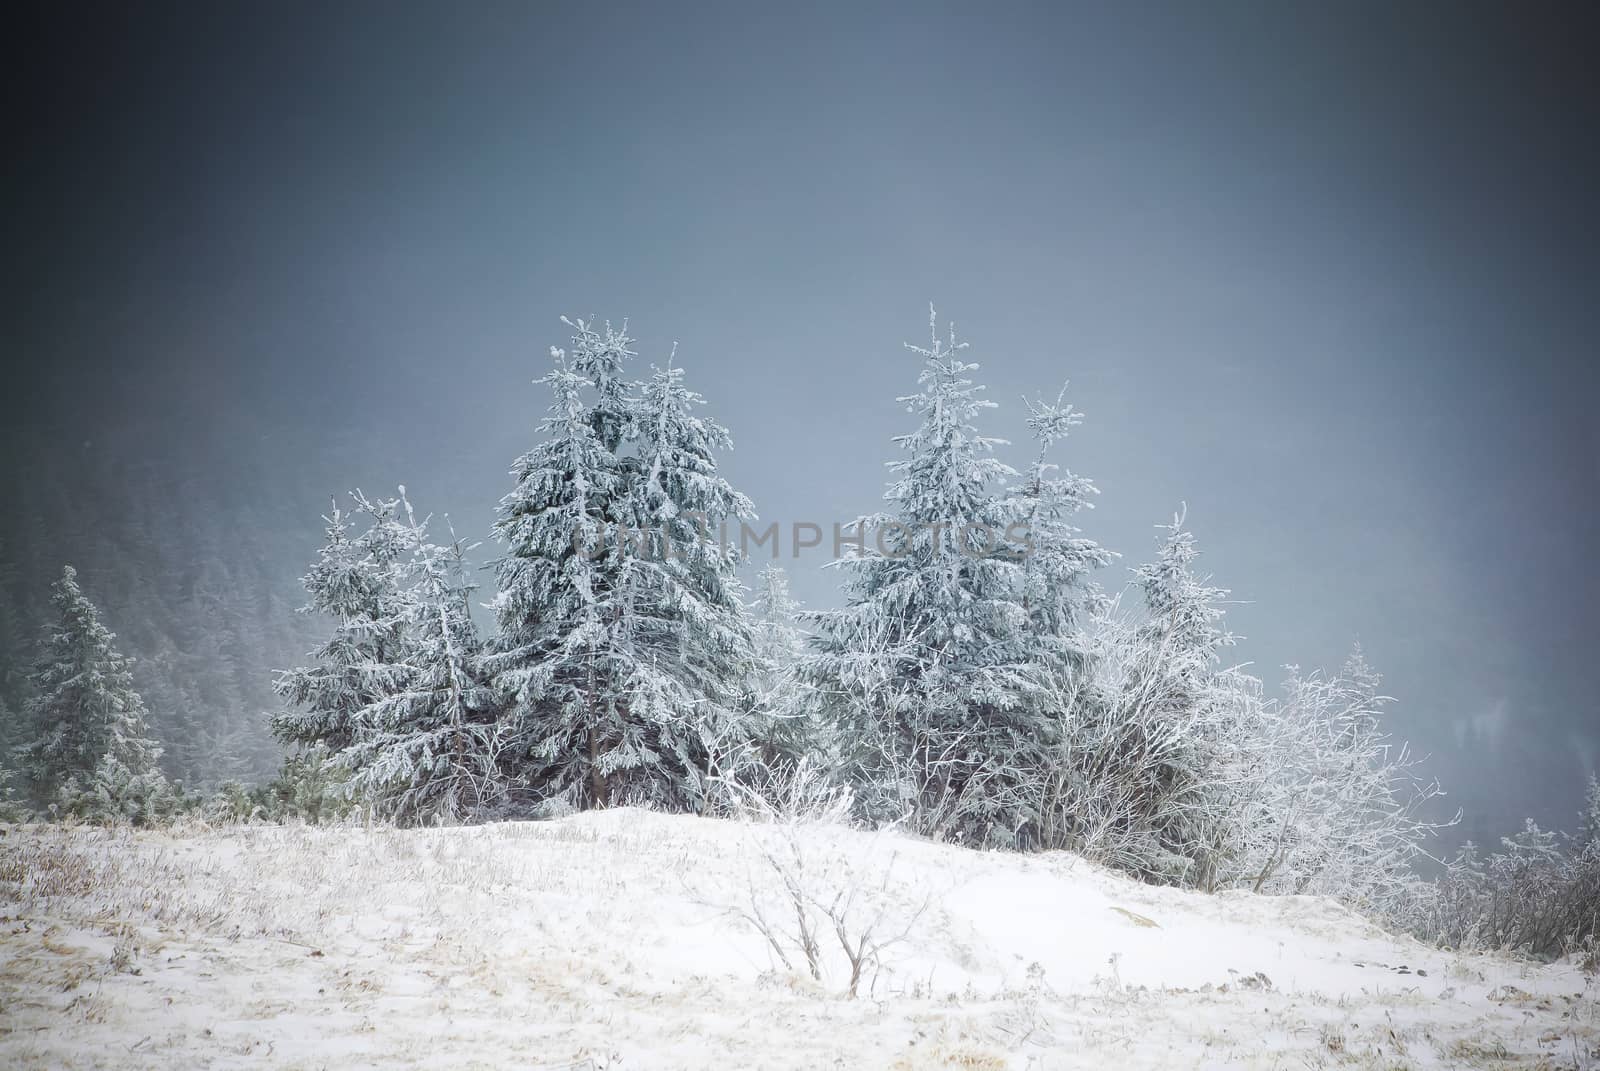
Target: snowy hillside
{"type": "Point", "coordinates": [626, 939]}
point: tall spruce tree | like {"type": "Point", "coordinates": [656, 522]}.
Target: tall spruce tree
{"type": "Point", "coordinates": [927, 667]}
{"type": "Point", "coordinates": [692, 656]}
{"type": "Point", "coordinates": [1064, 609]}
{"type": "Point", "coordinates": [558, 579]}
{"type": "Point", "coordinates": [621, 633]}
{"type": "Point", "coordinates": [84, 716]}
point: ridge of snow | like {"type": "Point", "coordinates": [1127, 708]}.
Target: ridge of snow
{"type": "Point", "coordinates": [617, 939]}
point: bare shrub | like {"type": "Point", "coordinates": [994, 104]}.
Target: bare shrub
{"type": "Point", "coordinates": [807, 892]}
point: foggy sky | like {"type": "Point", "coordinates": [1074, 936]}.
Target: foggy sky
{"type": "Point", "coordinates": [1327, 273]}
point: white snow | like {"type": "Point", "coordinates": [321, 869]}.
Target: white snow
{"type": "Point", "coordinates": [619, 939]}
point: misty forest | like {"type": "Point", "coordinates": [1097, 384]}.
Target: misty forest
{"type": "Point", "coordinates": [619, 766]}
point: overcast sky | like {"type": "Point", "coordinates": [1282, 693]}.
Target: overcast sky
{"type": "Point", "coordinates": [1326, 273]}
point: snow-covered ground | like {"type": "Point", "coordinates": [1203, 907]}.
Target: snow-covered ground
{"type": "Point", "coordinates": [624, 939]}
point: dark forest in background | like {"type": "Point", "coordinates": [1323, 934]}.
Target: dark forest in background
{"type": "Point", "coordinates": [195, 561]}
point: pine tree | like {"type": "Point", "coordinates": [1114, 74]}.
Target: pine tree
{"type": "Point", "coordinates": [1064, 610]}
{"type": "Point", "coordinates": [358, 582]}
{"type": "Point", "coordinates": [779, 639]}
{"type": "Point", "coordinates": [84, 711]}
{"type": "Point", "coordinates": [1178, 686]}
{"type": "Point", "coordinates": [1153, 756]}
{"type": "Point", "coordinates": [1058, 592]}
{"type": "Point", "coordinates": [427, 747]}
{"type": "Point", "coordinates": [558, 591]}
{"type": "Point", "coordinates": [782, 732]}
{"type": "Point", "coordinates": [926, 668]}
{"type": "Point", "coordinates": [622, 640]}
{"type": "Point", "coordinates": [687, 636]}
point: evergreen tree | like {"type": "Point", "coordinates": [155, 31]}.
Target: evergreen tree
{"type": "Point", "coordinates": [559, 594]}
{"type": "Point", "coordinates": [691, 649]}
{"type": "Point", "coordinates": [779, 639]}
{"type": "Point", "coordinates": [1184, 625]}
{"type": "Point", "coordinates": [779, 726]}
{"type": "Point", "coordinates": [1058, 593]}
{"type": "Point", "coordinates": [1063, 607]}
{"type": "Point", "coordinates": [427, 748]}
{"type": "Point", "coordinates": [927, 666]}
{"type": "Point", "coordinates": [623, 645]}
{"type": "Point", "coordinates": [1177, 683]}
{"type": "Point", "coordinates": [84, 711]}
{"type": "Point", "coordinates": [359, 583]}
{"type": "Point", "coordinates": [1152, 752]}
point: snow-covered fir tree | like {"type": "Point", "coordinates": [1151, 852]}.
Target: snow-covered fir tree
{"type": "Point", "coordinates": [779, 726]}
{"type": "Point", "coordinates": [1145, 747]}
{"type": "Point", "coordinates": [426, 748]}
{"type": "Point", "coordinates": [690, 638]}
{"type": "Point", "coordinates": [780, 641]}
{"type": "Point", "coordinates": [1185, 618]}
{"type": "Point", "coordinates": [84, 720]}
{"type": "Point", "coordinates": [926, 669]}
{"type": "Point", "coordinates": [558, 579]}
{"type": "Point", "coordinates": [1058, 592]}
{"type": "Point", "coordinates": [1177, 681]}
{"type": "Point", "coordinates": [358, 581]}
{"type": "Point", "coordinates": [1064, 608]}
{"type": "Point", "coordinates": [600, 357]}
{"type": "Point", "coordinates": [1145, 775]}
{"type": "Point", "coordinates": [623, 651]}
